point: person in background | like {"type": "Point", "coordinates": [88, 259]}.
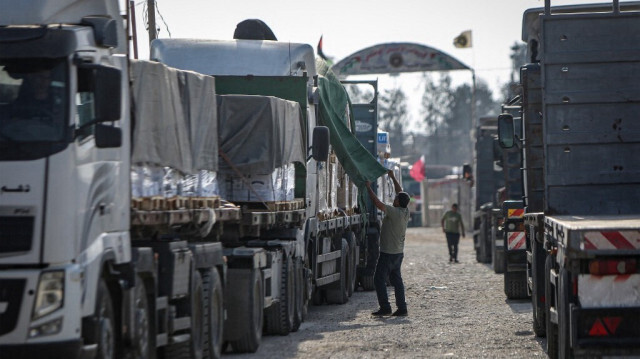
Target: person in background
{"type": "Point", "coordinates": [452, 227]}
{"type": "Point", "coordinates": [392, 235]}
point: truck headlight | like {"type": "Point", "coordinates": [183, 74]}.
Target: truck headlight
{"type": "Point", "coordinates": [50, 294]}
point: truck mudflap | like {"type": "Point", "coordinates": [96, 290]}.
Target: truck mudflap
{"type": "Point", "coordinates": [516, 260]}
{"type": "Point", "coordinates": [606, 331]}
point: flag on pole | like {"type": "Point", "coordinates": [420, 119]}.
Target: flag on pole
{"type": "Point", "coordinates": [319, 50]}
{"type": "Point", "coordinates": [463, 40]}
{"type": "Point", "coordinates": [417, 170]}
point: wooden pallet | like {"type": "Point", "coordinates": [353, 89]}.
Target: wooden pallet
{"type": "Point", "coordinates": [276, 206]}
{"type": "Point", "coordinates": [159, 203]}
{"type": "Point", "coordinates": [349, 211]}
{"type": "Point", "coordinates": [155, 203]}
{"type": "Point", "coordinates": [328, 214]}
{"type": "Point", "coordinates": [203, 202]}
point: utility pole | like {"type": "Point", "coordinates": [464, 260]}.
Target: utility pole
{"type": "Point", "coordinates": [132, 28]}
{"type": "Point", "coordinates": [151, 13]}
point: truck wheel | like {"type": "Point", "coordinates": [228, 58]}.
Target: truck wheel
{"type": "Point", "coordinates": [351, 268]}
{"type": "Point", "coordinates": [213, 319]}
{"type": "Point", "coordinates": [144, 344]}
{"type": "Point", "coordinates": [515, 285]}
{"type": "Point", "coordinates": [317, 298]}
{"type": "Point", "coordinates": [298, 313]}
{"type": "Point", "coordinates": [476, 246]}
{"type": "Point", "coordinates": [250, 341]}
{"type": "Point", "coordinates": [279, 317]}
{"type": "Point", "coordinates": [367, 282]}
{"type": "Point", "coordinates": [552, 328]}
{"type": "Point", "coordinates": [564, 347]}
{"type": "Point", "coordinates": [498, 261]}
{"type": "Point", "coordinates": [337, 292]}
{"type": "Point", "coordinates": [197, 314]}
{"type": "Point", "coordinates": [483, 255]}
{"type": "Point", "coordinates": [373, 252]}
{"type": "Point", "coordinates": [193, 347]}
{"type": "Point", "coordinates": [537, 275]}
{"type": "Point", "coordinates": [104, 333]}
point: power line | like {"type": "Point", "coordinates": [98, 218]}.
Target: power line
{"type": "Point", "coordinates": [162, 18]}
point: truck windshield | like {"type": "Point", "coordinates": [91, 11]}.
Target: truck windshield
{"type": "Point", "coordinates": [33, 107]}
{"type": "Point", "coordinates": [33, 101]}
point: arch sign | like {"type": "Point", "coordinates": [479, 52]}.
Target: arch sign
{"type": "Point", "coordinates": [392, 58]}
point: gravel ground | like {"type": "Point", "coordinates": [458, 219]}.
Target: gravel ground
{"type": "Point", "coordinates": [455, 311]}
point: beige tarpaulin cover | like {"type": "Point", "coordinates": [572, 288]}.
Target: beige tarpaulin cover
{"type": "Point", "coordinates": [175, 118]}
{"type": "Point", "coordinates": [260, 133]}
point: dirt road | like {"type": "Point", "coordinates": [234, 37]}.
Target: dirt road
{"type": "Point", "coordinates": [455, 311]}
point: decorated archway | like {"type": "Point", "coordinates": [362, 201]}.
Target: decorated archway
{"type": "Point", "coordinates": [391, 58]}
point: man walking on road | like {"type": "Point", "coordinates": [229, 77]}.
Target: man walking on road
{"type": "Point", "coordinates": [392, 234]}
{"type": "Point", "coordinates": [452, 226]}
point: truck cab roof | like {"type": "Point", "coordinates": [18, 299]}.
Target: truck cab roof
{"type": "Point", "coordinates": [236, 57]}
{"type": "Point", "coordinates": [72, 12]}
{"type": "Point", "coordinates": [531, 24]}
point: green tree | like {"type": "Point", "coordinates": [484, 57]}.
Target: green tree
{"type": "Point", "coordinates": [518, 58]}
{"type": "Point", "coordinates": [393, 118]}
{"type": "Point", "coordinates": [447, 116]}
{"type": "Point", "coordinates": [436, 99]}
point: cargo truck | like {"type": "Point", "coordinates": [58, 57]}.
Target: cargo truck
{"type": "Point", "coordinates": [116, 239]}
{"type": "Point", "coordinates": [287, 70]}
{"type": "Point", "coordinates": [488, 179]}
{"type": "Point", "coordinates": [505, 234]}
{"type": "Point", "coordinates": [511, 252]}
{"type": "Point", "coordinates": [582, 196]}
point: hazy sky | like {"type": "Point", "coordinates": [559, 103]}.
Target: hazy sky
{"type": "Point", "coordinates": [351, 25]}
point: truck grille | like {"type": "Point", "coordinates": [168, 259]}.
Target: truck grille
{"type": "Point", "coordinates": [11, 291]}
{"type": "Point", "coordinates": [16, 234]}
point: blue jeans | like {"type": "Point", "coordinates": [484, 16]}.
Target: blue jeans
{"type": "Point", "coordinates": [389, 266]}
{"type": "Point", "coordinates": [452, 243]}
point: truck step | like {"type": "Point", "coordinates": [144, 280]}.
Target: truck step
{"type": "Point", "coordinates": [181, 323]}
{"type": "Point", "coordinates": [328, 279]}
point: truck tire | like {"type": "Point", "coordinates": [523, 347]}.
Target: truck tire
{"type": "Point", "coordinates": [213, 319]}
{"type": "Point", "coordinates": [192, 348]}
{"type": "Point", "coordinates": [250, 341]}
{"type": "Point", "coordinates": [298, 312]}
{"type": "Point", "coordinates": [537, 277]}
{"type": "Point", "coordinates": [552, 328]}
{"type": "Point", "coordinates": [317, 297]}
{"type": "Point", "coordinates": [373, 252]}
{"type": "Point", "coordinates": [103, 332]}
{"type": "Point", "coordinates": [352, 265]}
{"type": "Point", "coordinates": [498, 261]}
{"type": "Point", "coordinates": [483, 254]}
{"type": "Point", "coordinates": [564, 347]}
{"type": "Point", "coordinates": [144, 346]}
{"type": "Point", "coordinates": [367, 282]}
{"type": "Point", "coordinates": [337, 293]}
{"type": "Point", "coordinates": [279, 317]}
{"type": "Point", "coordinates": [515, 285]}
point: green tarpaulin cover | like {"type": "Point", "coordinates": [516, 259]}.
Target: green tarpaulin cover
{"type": "Point", "coordinates": [334, 112]}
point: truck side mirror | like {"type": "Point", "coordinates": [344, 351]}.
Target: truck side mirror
{"type": "Point", "coordinates": [105, 82]}
{"type": "Point", "coordinates": [108, 136]}
{"type": "Point", "coordinates": [506, 131]}
{"type": "Point", "coordinates": [320, 144]}
{"type": "Point", "coordinates": [108, 93]}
